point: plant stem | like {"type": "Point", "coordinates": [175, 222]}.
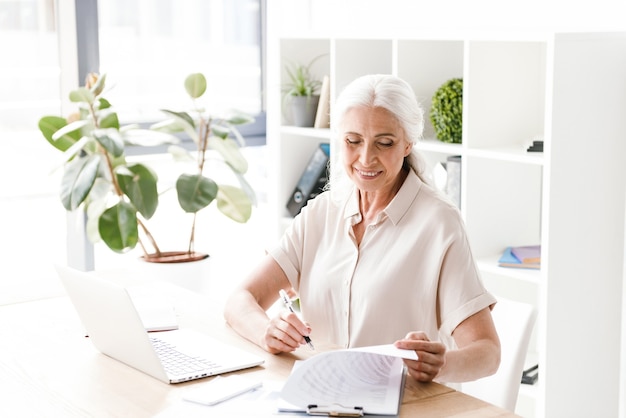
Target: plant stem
{"type": "Point", "coordinates": [118, 189]}
{"type": "Point", "coordinates": [150, 237]}
{"type": "Point", "coordinates": [192, 238]}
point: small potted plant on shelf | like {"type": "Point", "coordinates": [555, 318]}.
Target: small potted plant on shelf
{"type": "Point", "coordinates": [301, 93]}
{"type": "Point", "coordinates": [446, 112]}
{"type": "Point", "coordinates": [119, 196]}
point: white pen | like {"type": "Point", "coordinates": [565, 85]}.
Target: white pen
{"type": "Point", "coordinates": [287, 303]}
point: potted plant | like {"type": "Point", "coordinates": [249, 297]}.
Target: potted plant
{"type": "Point", "coordinates": [446, 112]}
{"type": "Point", "coordinates": [301, 93]}
{"type": "Point", "coordinates": [119, 196]}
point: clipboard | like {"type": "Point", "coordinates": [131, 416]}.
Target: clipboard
{"type": "Point", "coordinates": [371, 378]}
{"type": "Point", "coordinates": [334, 410]}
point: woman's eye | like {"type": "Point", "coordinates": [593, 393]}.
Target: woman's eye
{"type": "Point", "coordinates": [352, 141]}
{"type": "Point", "coordinates": [385, 144]}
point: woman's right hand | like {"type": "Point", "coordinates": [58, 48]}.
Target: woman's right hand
{"type": "Point", "coordinates": [285, 333]}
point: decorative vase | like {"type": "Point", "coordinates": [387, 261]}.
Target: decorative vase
{"type": "Point", "coordinates": [303, 110]}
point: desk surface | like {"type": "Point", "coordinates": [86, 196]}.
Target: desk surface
{"type": "Point", "coordinates": [48, 368]}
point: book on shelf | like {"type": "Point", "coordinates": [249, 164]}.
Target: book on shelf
{"type": "Point", "coordinates": [312, 180]}
{"type": "Point", "coordinates": [350, 382]}
{"type": "Point", "coordinates": [530, 375]}
{"type": "Point", "coordinates": [322, 116]}
{"type": "Point", "coordinates": [527, 253]}
{"type": "Point", "coordinates": [508, 259]}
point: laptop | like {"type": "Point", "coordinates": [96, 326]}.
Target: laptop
{"type": "Point", "coordinates": [115, 328]}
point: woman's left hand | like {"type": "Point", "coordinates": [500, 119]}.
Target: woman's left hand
{"type": "Point", "coordinates": [430, 355]}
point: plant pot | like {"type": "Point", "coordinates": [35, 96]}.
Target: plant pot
{"type": "Point", "coordinates": [174, 257]}
{"type": "Point", "coordinates": [188, 270]}
{"type": "Point", "coordinates": [303, 109]}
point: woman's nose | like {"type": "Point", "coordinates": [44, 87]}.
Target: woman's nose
{"type": "Point", "coordinates": [367, 155]}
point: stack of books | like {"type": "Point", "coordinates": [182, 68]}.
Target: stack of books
{"type": "Point", "coordinates": [526, 256]}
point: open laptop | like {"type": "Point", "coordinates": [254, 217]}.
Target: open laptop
{"type": "Point", "coordinates": [115, 328]}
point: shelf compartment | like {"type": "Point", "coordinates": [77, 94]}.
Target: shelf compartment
{"type": "Point", "coordinates": [504, 93]}
{"type": "Point", "coordinates": [357, 57]}
{"type": "Point", "coordinates": [426, 65]}
{"type": "Point", "coordinates": [501, 203]}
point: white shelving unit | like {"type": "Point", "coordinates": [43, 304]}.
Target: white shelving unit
{"type": "Point", "coordinates": [568, 89]}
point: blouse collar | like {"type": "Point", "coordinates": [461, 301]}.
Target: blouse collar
{"type": "Point", "coordinates": [398, 206]}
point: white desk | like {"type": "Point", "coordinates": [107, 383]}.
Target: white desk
{"type": "Point", "coordinates": [48, 368]}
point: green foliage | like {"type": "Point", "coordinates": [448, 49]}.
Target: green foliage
{"type": "Point", "coordinates": [301, 81]}
{"type": "Point", "coordinates": [119, 197]}
{"type": "Point", "coordinates": [446, 113]}
{"type": "Point", "coordinates": [195, 192]}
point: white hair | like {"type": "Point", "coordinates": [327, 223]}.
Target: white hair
{"type": "Point", "coordinates": [384, 91]}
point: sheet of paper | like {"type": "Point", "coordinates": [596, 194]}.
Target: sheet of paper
{"type": "Point", "coordinates": [364, 378]}
{"type": "Point", "coordinates": [388, 350]}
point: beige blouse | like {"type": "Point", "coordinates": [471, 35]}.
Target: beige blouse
{"type": "Point", "coordinates": [414, 270]}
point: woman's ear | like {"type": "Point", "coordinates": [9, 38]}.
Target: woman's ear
{"type": "Point", "coordinates": [409, 147]}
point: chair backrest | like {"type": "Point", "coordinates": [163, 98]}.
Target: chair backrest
{"type": "Point", "coordinates": [514, 322]}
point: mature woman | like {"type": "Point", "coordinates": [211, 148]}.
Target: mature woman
{"type": "Point", "coordinates": [381, 257]}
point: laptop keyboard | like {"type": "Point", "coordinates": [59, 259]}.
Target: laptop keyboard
{"type": "Point", "coordinates": [177, 363]}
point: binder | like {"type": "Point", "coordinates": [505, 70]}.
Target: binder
{"type": "Point", "coordinates": [312, 180]}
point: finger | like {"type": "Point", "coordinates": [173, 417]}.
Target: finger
{"type": "Point", "coordinates": [417, 335]}
{"type": "Point", "coordinates": [415, 345]}
{"type": "Point", "coordinates": [277, 337]}
{"type": "Point", "coordinates": [297, 326]}
{"type": "Point", "coordinates": [421, 373]}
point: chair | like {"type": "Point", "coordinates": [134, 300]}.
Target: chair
{"type": "Point", "coordinates": [514, 322]}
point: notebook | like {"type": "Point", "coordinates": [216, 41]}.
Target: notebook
{"type": "Point", "coordinates": [115, 328]}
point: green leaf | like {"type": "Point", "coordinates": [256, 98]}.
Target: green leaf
{"type": "Point", "coordinates": [186, 122]}
{"type": "Point", "coordinates": [82, 94]}
{"type": "Point", "coordinates": [239, 118]}
{"type": "Point", "coordinates": [118, 227]}
{"type": "Point", "coordinates": [111, 140]}
{"type": "Point", "coordinates": [168, 126]}
{"type": "Point", "coordinates": [220, 131]}
{"type": "Point", "coordinates": [139, 183]}
{"type": "Point", "coordinates": [78, 178]}
{"type": "Point", "coordinates": [195, 192]}
{"type": "Point", "coordinates": [234, 203]}
{"type": "Point", "coordinates": [74, 127]}
{"type": "Point", "coordinates": [195, 84]}
{"type": "Point", "coordinates": [110, 121]}
{"type": "Point", "coordinates": [103, 103]}
{"type": "Point", "coordinates": [248, 190]}
{"type": "Point", "coordinates": [49, 125]}
{"type": "Point", "coordinates": [229, 150]}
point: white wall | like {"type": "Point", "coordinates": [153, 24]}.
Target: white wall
{"type": "Point", "coordinates": [372, 17]}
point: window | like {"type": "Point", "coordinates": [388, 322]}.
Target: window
{"type": "Point", "coordinates": [29, 72]}
{"type": "Point", "coordinates": [147, 48]}
{"type": "Point", "coordinates": [33, 221]}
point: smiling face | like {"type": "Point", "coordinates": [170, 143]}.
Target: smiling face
{"type": "Point", "coordinates": [373, 147]}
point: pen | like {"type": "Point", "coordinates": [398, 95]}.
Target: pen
{"type": "Point", "coordinates": [287, 303]}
